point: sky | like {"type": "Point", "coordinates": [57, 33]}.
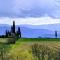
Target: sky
{"type": "Point", "coordinates": [35, 12]}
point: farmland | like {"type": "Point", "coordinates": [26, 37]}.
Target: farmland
{"type": "Point", "coordinates": [31, 49]}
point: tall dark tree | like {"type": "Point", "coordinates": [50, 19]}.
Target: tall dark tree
{"type": "Point", "coordinates": [55, 34]}
{"type": "Point", "coordinates": [13, 27]}
{"type": "Point", "coordinates": [6, 33]}
{"type": "Point", "coordinates": [19, 32]}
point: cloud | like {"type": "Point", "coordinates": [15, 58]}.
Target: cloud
{"type": "Point", "coordinates": [29, 21]}
{"type": "Point", "coordinates": [29, 8]}
{"type": "Point", "coordinates": [33, 8]}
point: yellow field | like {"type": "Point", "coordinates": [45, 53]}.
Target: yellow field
{"type": "Point", "coordinates": [43, 50]}
{"type": "Point", "coordinates": [30, 50]}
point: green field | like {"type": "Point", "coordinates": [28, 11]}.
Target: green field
{"type": "Point", "coordinates": [30, 49]}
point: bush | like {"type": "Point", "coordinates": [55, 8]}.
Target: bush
{"type": "Point", "coordinates": [11, 40]}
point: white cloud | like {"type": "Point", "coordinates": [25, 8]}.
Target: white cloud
{"type": "Point", "coordinates": [29, 8]}
{"type": "Point", "coordinates": [30, 20]}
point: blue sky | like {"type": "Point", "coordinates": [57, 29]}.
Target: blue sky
{"type": "Point", "coordinates": [14, 9]}
{"type": "Point", "coordinates": [29, 8]}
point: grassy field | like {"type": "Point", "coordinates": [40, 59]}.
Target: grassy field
{"type": "Point", "coordinates": [31, 49]}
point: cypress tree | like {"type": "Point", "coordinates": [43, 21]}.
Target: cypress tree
{"type": "Point", "coordinates": [13, 27]}
{"type": "Point", "coordinates": [6, 33]}
{"type": "Point", "coordinates": [55, 34]}
{"type": "Point", "coordinates": [19, 32]}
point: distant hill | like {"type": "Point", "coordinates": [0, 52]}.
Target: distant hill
{"type": "Point", "coordinates": [34, 31]}
{"type": "Point", "coordinates": [52, 27]}
{"type": "Point", "coordinates": [3, 28]}
{"type": "Point", "coordinates": [42, 30]}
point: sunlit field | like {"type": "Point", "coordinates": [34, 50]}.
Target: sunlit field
{"type": "Point", "coordinates": [30, 49]}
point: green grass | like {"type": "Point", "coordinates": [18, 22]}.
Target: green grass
{"type": "Point", "coordinates": [22, 49]}
{"type": "Point", "coordinates": [38, 39]}
{"type": "Point", "coordinates": [4, 40]}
